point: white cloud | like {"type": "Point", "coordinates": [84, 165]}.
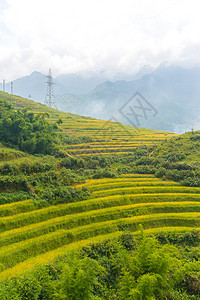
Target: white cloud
{"type": "Point", "coordinates": [91, 35]}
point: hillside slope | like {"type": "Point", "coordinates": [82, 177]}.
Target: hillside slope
{"type": "Point", "coordinates": [98, 186]}
{"type": "Point", "coordinates": [185, 148]}
{"type": "Point", "coordinates": [91, 135]}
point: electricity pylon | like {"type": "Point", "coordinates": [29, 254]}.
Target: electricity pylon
{"type": "Point", "coordinates": [11, 87]}
{"type": "Point", "coordinates": [4, 85]}
{"type": "Point", "coordinates": [50, 98]}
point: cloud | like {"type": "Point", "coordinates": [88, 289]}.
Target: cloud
{"type": "Point", "coordinates": [92, 36]}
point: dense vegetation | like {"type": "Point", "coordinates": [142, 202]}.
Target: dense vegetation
{"type": "Point", "coordinates": [65, 184]}
{"type": "Point", "coordinates": [125, 268]}
{"type": "Point", "coordinates": [26, 131]}
{"type": "Point", "coordinates": [176, 159]}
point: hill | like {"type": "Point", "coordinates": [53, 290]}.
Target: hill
{"type": "Point", "coordinates": [87, 136]}
{"type": "Point", "coordinates": [184, 148]}
{"type": "Point", "coordinates": [103, 181]}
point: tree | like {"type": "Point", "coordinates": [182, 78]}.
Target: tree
{"type": "Point", "coordinates": [26, 131]}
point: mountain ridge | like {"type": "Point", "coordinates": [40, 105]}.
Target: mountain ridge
{"type": "Point", "coordinates": [172, 90]}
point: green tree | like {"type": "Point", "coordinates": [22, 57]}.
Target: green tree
{"type": "Point", "coordinates": [78, 279]}
{"type": "Point", "coordinates": [27, 131]}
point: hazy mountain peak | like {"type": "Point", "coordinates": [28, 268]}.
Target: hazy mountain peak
{"type": "Point", "coordinates": [36, 73]}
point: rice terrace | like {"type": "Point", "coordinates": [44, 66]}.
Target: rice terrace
{"type": "Point", "coordinates": [93, 209]}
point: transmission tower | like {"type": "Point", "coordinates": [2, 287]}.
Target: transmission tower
{"type": "Point", "coordinates": [50, 98]}
{"type": "Point", "coordinates": [11, 87]}
{"type": "Point", "coordinates": [4, 85]}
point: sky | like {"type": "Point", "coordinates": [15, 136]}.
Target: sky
{"type": "Point", "coordinates": [91, 37]}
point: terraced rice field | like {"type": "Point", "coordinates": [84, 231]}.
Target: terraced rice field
{"type": "Point", "coordinates": [106, 137]}
{"type": "Point", "coordinates": [29, 236]}
{"type": "Point", "coordinates": [110, 137]}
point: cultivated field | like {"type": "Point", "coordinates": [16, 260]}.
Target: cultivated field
{"type": "Point", "coordinates": [103, 137]}
{"type": "Point", "coordinates": [32, 235]}
{"type": "Point", "coordinates": [29, 236]}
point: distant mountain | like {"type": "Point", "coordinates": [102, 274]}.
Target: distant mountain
{"type": "Point", "coordinates": [31, 86]}
{"type": "Point", "coordinates": [34, 86]}
{"type": "Point", "coordinates": [170, 91]}
{"type": "Point", "coordinates": [76, 84]}
{"type": "Point", "coordinates": [170, 96]}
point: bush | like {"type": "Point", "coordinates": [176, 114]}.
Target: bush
{"type": "Point", "coordinates": [73, 163]}
{"type": "Point", "coordinates": [191, 238]}
{"type": "Point", "coordinates": [105, 173]}
{"type": "Point", "coordinates": [64, 194]}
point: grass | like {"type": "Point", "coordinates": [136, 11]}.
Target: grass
{"type": "Point", "coordinates": [81, 219]}
{"type": "Point", "coordinates": [187, 144]}
{"type": "Point", "coordinates": [7, 154]}
{"type": "Point", "coordinates": [124, 139]}
{"type": "Point", "coordinates": [16, 208]}
{"type": "Point", "coordinates": [123, 178]}
{"type": "Point", "coordinates": [41, 230]}
{"type": "Point", "coordinates": [33, 262]}
{"type": "Point", "coordinates": [124, 184]}
{"type": "Point", "coordinates": [146, 189]}
{"type": "Point", "coordinates": [15, 253]}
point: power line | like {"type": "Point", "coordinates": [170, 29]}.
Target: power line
{"type": "Point", "coordinates": [50, 98]}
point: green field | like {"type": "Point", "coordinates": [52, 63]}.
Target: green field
{"type": "Point", "coordinates": [26, 234]}
{"type": "Point", "coordinates": [100, 185]}
{"type": "Point", "coordinates": [104, 137]}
